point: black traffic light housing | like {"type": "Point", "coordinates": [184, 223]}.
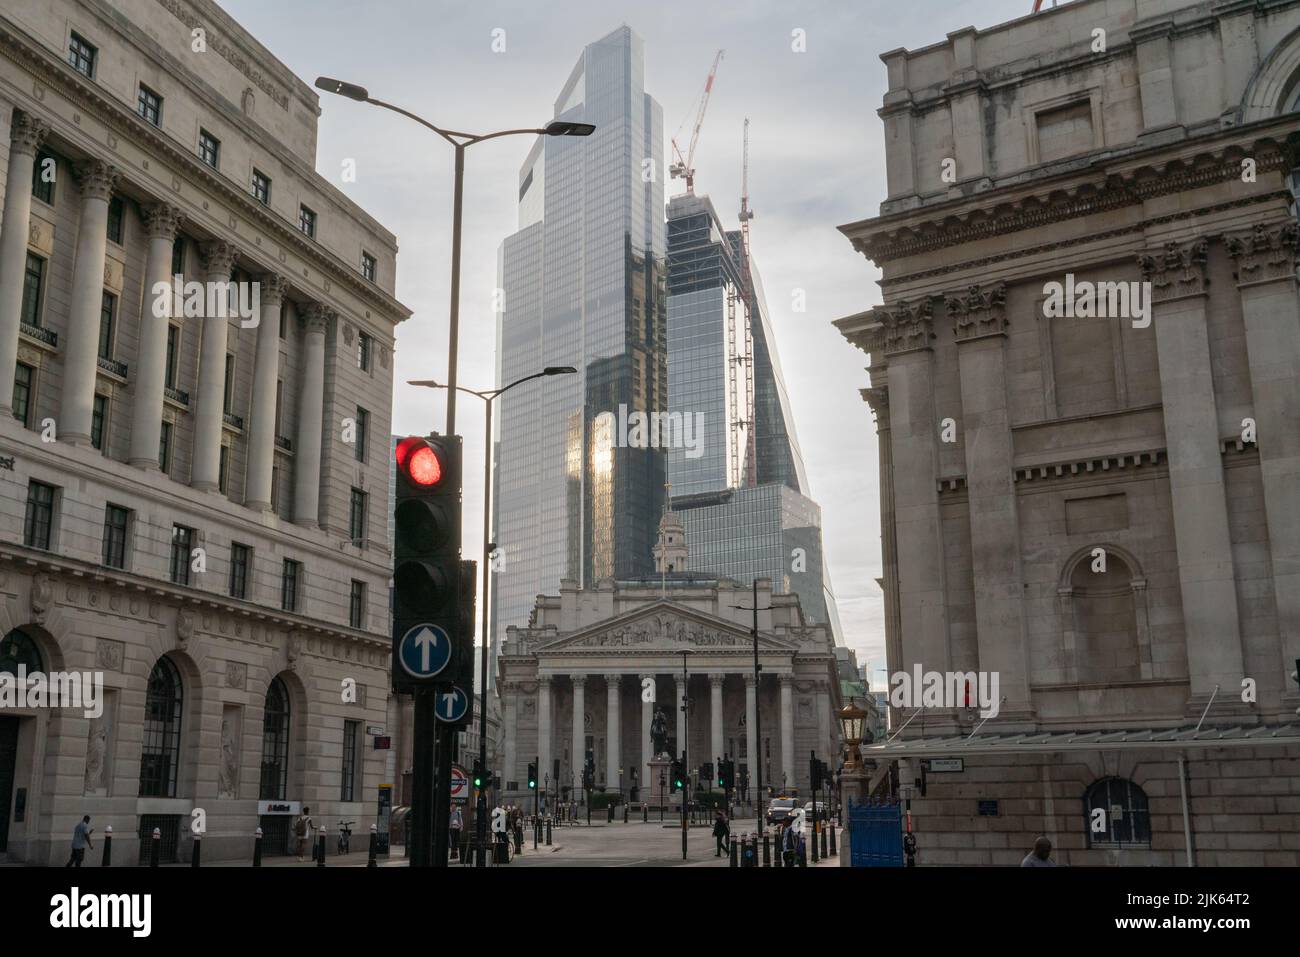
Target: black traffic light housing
{"type": "Point", "coordinates": [427, 579]}
{"type": "Point", "coordinates": [677, 777]}
{"type": "Point", "coordinates": [532, 775]}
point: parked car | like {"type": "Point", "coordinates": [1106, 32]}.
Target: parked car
{"type": "Point", "coordinates": [779, 810]}
{"type": "Point", "coordinates": [823, 811]}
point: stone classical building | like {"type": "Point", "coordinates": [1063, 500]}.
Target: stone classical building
{"type": "Point", "coordinates": [1102, 503]}
{"type": "Point", "coordinates": [191, 506]}
{"type": "Point", "coordinates": [572, 680]}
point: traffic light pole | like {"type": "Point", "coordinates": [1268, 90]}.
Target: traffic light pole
{"type": "Point", "coordinates": [422, 797]}
{"type": "Point", "coordinates": [686, 788]}
{"type": "Point", "coordinates": [480, 808]}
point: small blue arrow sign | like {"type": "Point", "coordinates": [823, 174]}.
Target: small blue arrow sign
{"type": "Point", "coordinates": [451, 705]}
{"type": "Point", "coordinates": [424, 651]}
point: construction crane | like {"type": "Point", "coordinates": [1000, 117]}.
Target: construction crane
{"type": "Point", "coordinates": [683, 168]}
{"type": "Point", "coordinates": [742, 358]}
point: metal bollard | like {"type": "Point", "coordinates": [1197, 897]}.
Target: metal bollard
{"type": "Point", "coordinates": [257, 848]}
{"type": "Point", "coordinates": [153, 850]}
{"type": "Point", "coordinates": [824, 854]}
{"type": "Point", "coordinates": [801, 855]}
{"type": "Point", "coordinates": [767, 848]}
{"type": "Point", "coordinates": [197, 853]}
{"type": "Point", "coordinates": [548, 832]}
{"type": "Point", "coordinates": [610, 815]}
{"type": "Point", "coordinates": [108, 847]}
{"type": "Point", "coordinates": [778, 855]}
{"type": "Point", "coordinates": [813, 841]}
{"type": "Point", "coordinates": [374, 840]}
{"type": "Point", "coordinates": [731, 841]}
{"type": "Point", "coordinates": [624, 813]}
{"type": "Point", "coordinates": [645, 813]}
{"type": "Point", "coordinates": [320, 856]}
{"type": "Point", "coordinates": [833, 851]}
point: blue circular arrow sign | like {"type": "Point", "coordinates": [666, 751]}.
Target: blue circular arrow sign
{"type": "Point", "coordinates": [424, 651]}
{"type": "Point", "coordinates": [452, 705]}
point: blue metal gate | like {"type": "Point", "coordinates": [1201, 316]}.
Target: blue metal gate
{"type": "Point", "coordinates": [875, 835]}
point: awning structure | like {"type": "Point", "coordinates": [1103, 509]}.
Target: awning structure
{"type": "Point", "coordinates": [1055, 742]}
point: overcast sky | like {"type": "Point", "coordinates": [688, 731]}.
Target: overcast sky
{"type": "Point", "coordinates": [816, 161]}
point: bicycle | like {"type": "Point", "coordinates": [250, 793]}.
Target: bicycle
{"type": "Point", "coordinates": [345, 835]}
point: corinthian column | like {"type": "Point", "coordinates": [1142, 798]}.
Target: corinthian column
{"type": "Point", "coordinates": [715, 715]}
{"type": "Point", "coordinates": [218, 259]}
{"type": "Point", "coordinates": [266, 368]}
{"type": "Point", "coordinates": [579, 752]}
{"type": "Point", "coordinates": [160, 222]}
{"type": "Point", "coordinates": [613, 755]}
{"type": "Point", "coordinates": [24, 139]}
{"type": "Point", "coordinates": [544, 784]}
{"type": "Point", "coordinates": [311, 413]}
{"type": "Point", "coordinates": [96, 180]}
{"type": "Point", "coordinates": [787, 729]}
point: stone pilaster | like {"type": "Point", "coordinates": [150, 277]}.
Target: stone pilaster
{"type": "Point", "coordinates": [218, 260]}
{"type": "Point", "coordinates": [25, 137]}
{"type": "Point", "coordinates": [81, 356]}
{"type": "Point", "coordinates": [161, 221]}
{"type": "Point", "coordinates": [679, 702]}
{"type": "Point", "coordinates": [979, 325]}
{"type": "Point", "coordinates": [509, 691]}
{"type": "Point", "coordinates": [266, 370]}
{"type": "Point", "coordinates": [1266, 281]}
{"type": "Point", "coordinates": [751, 734]}
{"type": "Point", "coordinates": [613, 731]}
{"type": "Point", "coordinates": [647, 749]}
{"type": "Point", "coordinates": [311, 416]}
{"type": "Point", "coordinates": [1179, 286]}
{"type": "Point", "coordinates": [544, 770]}
{"type": "Point", "coordinates": [787, 729]}
{"type": "Point", "coordinates": [579, 750]}
{"type": "Point", "coordinates": [715, 716]}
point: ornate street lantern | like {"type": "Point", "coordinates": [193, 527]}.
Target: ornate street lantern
{"type": "Point", "coordinates": [851, 719]}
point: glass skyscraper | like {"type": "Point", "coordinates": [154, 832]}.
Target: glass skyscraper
{"type": "Point", "coordinates": [743, 499]}
{"type": "Point", "coordinates": [583, 280]}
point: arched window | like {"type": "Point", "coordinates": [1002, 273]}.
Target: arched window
{"type": "Point", "coordinates": [160, 756]}
{"type": "Point", "coordinates": [17, 649]}
{"type": "Point", "coordinates": [275, 743]}
{"type": "Point", "coordinates": [1105, 622]}
{"type": "Point", "coordinates": [1125, 819]}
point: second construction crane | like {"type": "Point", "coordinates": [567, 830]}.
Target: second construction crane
{"type": "Point", "coordinates": [683, 167]}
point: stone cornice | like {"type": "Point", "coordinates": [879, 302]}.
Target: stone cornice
{"type": "Point", "coordinates": [1104, 463]}
{"type": "Point", "coordinates": [1266, 253]}
{"type": "Point", "coordinates": [1177, 271]}
{"type": "Point", "coordinates": [999, 212]}
{"type": "Point", "coordinates": [978, 312]}
{"type": "Point", "coordinates": [69, 84]}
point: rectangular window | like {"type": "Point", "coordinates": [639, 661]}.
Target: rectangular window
{"type": "Point", "coordinates": [182, 538]}
{"type": "Point", "coordinates": [39, 521]}
{"type": "Point", "coordinates": [33, 283]}
{"type": "Point", "coordinates": [24, 377]}
{"type": "Point", "coordinates": [165, 447]}
{"type": "Point", "coordinates": [115, 219]}
{"type": "Point", "coordinates": [107, 310]}
{"type": "Point", "coordinates": [261, 187]}
{"type": "Point", "coordinates": [44, 172]}
{"type": "Point", "coordinates": [363, 352]}
{"type": "Point", "coordinates": [307, 221]}
{"type": "Point", "coordinates": [173, 355]}
{"type": "Point", "coordinates": [289, 585]}
{"type": "Point", "coordinates": [363, 433]}
{"type": "Point", "coordinates": [357, 516]}
{"type": "Point", "coordinates": [239, 570]}
{"type": "Point", "coordinates": [115, 520]}
{"type": "Point", "coordinates": [223, 471]}
{"type": "Point", "coordinates": [178, 255]}
{"type": "Point", "coordinates": [228, 393]}
{"type": "Point", "coordinates": [81, 55]}
{"type": "Point", "coordinates": [351, 731]}
{"type": "Point", "coordinates": [149, 105]}
{"type": "Point", "coordinates": [357, 604]}
{"type": "Point", "coordinates": [98, 419]}
{"type": "Point", "coordinates": [368, 266]}
{"type": "Point", "coordinates": [209, 148]}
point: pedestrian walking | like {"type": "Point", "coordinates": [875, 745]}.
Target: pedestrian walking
{"type": "Point", "coordinates": [456, 825]}
{"type": "Point", "coordinates": [1040, 856]}
{"type": "Point", "coordinates": [789, 844]}
{"type": "Point", "coordinates": [80, 841]}
{"type": "Point", "coordinates": [302, 828]}
{"type": "Point", "coordinates": [721, 833]}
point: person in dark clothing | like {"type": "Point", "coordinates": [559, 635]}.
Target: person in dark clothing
{"type": "Point", "coordinates": [80, 841]}
{"type": "Point", "coordinates": [721, 833]}
{"type": "Point", "coordinates": [789, 844]}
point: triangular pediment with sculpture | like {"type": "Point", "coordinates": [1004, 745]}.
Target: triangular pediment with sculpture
{"type": "Point", "coordinates": [665, 625]}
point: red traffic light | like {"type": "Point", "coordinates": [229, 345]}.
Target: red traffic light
{"type": "Point", "coordinates": [419, 462]}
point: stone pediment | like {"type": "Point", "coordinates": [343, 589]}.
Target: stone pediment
{"type": "Point", "coordinates": [667, 627]}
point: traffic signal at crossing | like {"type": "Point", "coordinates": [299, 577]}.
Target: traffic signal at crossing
{"type": "Point", "coordinates": [532, 775]}
{"type": "Point", "coordinates": [678, 776]}
{"type": "Point", "coordinates": [481, 777]}
{"type": "Point", "coordinates": [428, 620]}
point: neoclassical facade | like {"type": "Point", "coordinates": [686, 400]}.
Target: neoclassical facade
{"type": "Point", "coordinates": [572, 681]}
{"type": "Point", "coordinates": [1100, 505]}
{"type": "Point", "coordinates": [191, 506]}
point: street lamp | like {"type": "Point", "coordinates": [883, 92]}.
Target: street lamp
{"type": "Point", "coordinates": [460, 141]}
{"type": "Point", "coordinates": [758, 700]}
{"type": "Point", "coordinates": [851, 719]}
{"type": "Point", "coordinates": [488, 396]}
